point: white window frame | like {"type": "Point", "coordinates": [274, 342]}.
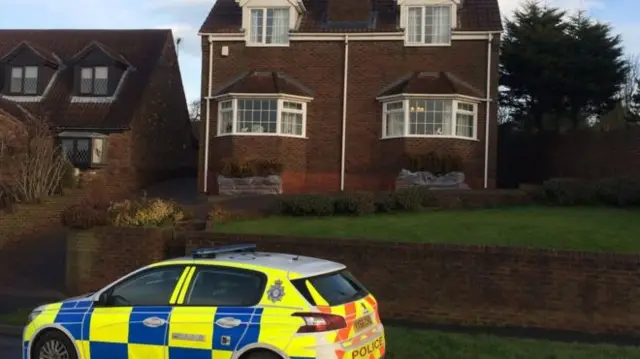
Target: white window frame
{"type": "Point", "coordinates": [23, 77]}
{"type": "Point", "coordinates": [263, 43]}
{"type": "Point", "coordinates": [280, 109]}
{"type": "Point", "coordinates": [454, 110]}
{"type": "Point", "coordinates": [405, 23]}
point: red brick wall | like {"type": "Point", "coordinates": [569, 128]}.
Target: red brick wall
{"type": "Point", "coordinates": [372, 66]}
{"type": "Point", "coordinates": [96, 258]}
{"type": "Point", "coordinates": [162, 135]}
{"type": "Point", "coordinates": [436, 284]}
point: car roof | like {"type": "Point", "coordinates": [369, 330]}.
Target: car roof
{"type": "Point", "coordinates": [302, 265]}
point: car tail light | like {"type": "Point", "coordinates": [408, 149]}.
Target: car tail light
{"type": "Point", "coordinates": [320, 322]}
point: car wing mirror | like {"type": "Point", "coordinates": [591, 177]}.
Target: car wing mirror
{"type": "Point", "coordinates": [103, 298]}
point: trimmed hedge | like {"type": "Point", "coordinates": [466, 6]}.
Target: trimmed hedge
{"type": "Point", "coordinates": [618, 192]}
{"type": "Point", "coordinates": [356, 203]}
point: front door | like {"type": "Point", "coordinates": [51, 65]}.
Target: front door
{"type": "Point", "coordinates": [214, 315]}
{"type": "Point", "coordinates": [133, 323]}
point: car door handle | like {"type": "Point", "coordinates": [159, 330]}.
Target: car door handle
{"type": "Point", "coordinates": [228, 322]}
{"type": "Point", "coordinates": [154, 322]}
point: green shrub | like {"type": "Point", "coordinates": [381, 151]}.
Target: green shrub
{"type": "Point", "coordinates": [83, 215]}
{"type": "Point", "coordinates": [69, 179]}
{"type": "Point", "coordinates": [252, 168]}
{"type": "Point", "coordinates": [566, 192]}
{"type": "Point", "coordinates": [385, 202]}
{"type": "Point", "coordinates": [407, 199]}
{"type": "Point", "coordinates": [434, 162]}
{"type": "Point", "coordinates": [145, 213]}
{"type": "Point", "coordinates": [427, 198]}
{"type": "Point", "coordinates": [619, 192]}
{"type": "Point", "coordinates": [356, 203]}
{"type": "Point", "coordinates": [307, 205]}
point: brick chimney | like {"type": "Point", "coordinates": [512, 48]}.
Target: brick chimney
{"type": "Point", "coordinates": [348, 10]}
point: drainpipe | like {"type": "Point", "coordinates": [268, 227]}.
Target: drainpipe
{"type": "Point", "coordinates": [344, 111]}
{"type": "Point", "coordinates": [207, 119]}
{"type": "Point", "coordinates": [487, 113]}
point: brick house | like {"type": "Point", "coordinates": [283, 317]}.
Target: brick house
{"type": "Point", "coordinates": [342, 91]}
{"type": "Point", "coordinates": [114, 97]}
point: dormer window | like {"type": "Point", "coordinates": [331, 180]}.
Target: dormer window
{"type": "Point", "coordinates": [429, 25]}
{"type": "Point", "coordinates": [24, 80]}
{"type": "Point", "coordinates": [94, 81]}
{"type": "Point", "coordinates": [269, 26]}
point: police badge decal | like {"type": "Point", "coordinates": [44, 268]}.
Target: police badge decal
{"type": "Point", "coordinates": [276, 291]}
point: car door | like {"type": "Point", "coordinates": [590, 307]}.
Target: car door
{"type": "Point", "coordinates": [132, 323]}
{"type": "Point", "coordinates": [215, 313]}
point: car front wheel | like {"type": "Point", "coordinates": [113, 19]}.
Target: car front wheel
{"type": "Point", "coordinates": [54, 345]}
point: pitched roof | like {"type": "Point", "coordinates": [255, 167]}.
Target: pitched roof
{"type": "Point", "coordinates": [265, 82]}
{"type": "Point", "coordinates": [432, 83]}
{"type": "Point", "coordinates": [42, 52]}
{"type": "Point", "coordinates": [141, 48]}
{"type": "Point", "coordinates": [474, 15]}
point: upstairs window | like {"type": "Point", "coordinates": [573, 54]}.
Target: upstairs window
{"type": "Point", "coordinates": [94, 80]}
{"type": "Point", "coordinates": [269, 26]}
{"type": "Point", "coordinates": [429, 25]}
{"type": "Point", "coordinates": [24, 80]}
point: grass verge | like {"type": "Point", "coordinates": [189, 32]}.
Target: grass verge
{"type": "Point", "coordinates": [425, 344]}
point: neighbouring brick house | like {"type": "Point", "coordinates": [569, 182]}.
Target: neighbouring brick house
{"type": "Point", "coordinates": [114, 97]}
{"type": "Point", "coordinates": [342, 91]}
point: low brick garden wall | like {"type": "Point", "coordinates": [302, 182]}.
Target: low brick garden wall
{"type": "Point", "coordinates": [421, 283]}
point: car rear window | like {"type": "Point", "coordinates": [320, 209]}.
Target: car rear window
{"type": "Point", "coordinates": [336, 288]}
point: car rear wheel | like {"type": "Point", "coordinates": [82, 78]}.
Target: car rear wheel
{"type": "Point", "coordinates": [54, 345]}
{"type": "Point", "coordinates": [261, 354]}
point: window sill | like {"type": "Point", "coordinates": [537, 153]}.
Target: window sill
{"type": "Point", "coordinates": [258, 134]}
{"type": "Point", "coordinates": [252, 44]}
{"type": "Point", "coordinates": [407, 44]}
{"type": "Point", "coordinates": [432, 136]}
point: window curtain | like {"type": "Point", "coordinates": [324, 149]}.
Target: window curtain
{"type": "Point", "coordinates": [256, 25]}
{"type": "Point", "coordinates": [438, 24]}
{"type": "Point", "coordinates": [277, 26]}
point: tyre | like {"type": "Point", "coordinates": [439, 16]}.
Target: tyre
{"type": "Point", "coordinates": [54, 344]}
{"type": "Point", "coordinates": [261, 354]}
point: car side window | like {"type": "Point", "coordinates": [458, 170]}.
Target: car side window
{"type": "Point", "coordinates": [151, 288]}
{"type": "Point", "coordinates": [215, 286]}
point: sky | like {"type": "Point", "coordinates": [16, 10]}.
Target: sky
{"type": "Point", "coordinates": [185, 17]}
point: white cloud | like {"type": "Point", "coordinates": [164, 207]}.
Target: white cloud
{"type": "Point", "coordinates": [508, 6]}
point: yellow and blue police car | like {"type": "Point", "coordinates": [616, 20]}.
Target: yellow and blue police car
{"type": "Point", "coordinates": [230, 302]}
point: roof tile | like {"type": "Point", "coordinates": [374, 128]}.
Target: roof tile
{"type": "Point", "coordinates": [475, 15]}
{"type": "Point", "coordinates": [432, 83]}
{"type": "Point", "coordinates": [265, 82]}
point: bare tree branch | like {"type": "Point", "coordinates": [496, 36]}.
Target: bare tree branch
{"type": "Point", "coordinates": [194, 110]}
{"type": "Point", "coordinates": [629, 86]}
{"type": "Point", "coordinates": [32, 165]}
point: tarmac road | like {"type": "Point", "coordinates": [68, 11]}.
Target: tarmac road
{"type": "Point", "coordinates": [10, 348]}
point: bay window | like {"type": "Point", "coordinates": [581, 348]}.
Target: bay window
{"type": "Point", "coordinates": [262, 116]}
{"type": "Point", "coordinates": [429, 25]}
{"type": "Point", "coordinates": [429, 117]}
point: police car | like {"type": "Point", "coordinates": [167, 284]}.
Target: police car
{"type": "Point", "coordinates": [230, 302]}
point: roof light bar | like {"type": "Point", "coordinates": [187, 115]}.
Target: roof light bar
{"type": "Point", "coordinates": [212, 252]}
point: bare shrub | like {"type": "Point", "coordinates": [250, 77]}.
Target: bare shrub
{"type": "Point", "coordinates": [31, 164]}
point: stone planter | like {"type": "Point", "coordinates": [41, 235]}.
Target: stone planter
{"type": "Point", "coordinates": [249, 185]}
{"type": "Point", "coordinates": [452, 180]}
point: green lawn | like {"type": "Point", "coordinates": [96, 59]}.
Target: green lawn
{"type": "Point", "coordinates": [576, 228]}
{"type": "Point", "coordinates": [411, 343]}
